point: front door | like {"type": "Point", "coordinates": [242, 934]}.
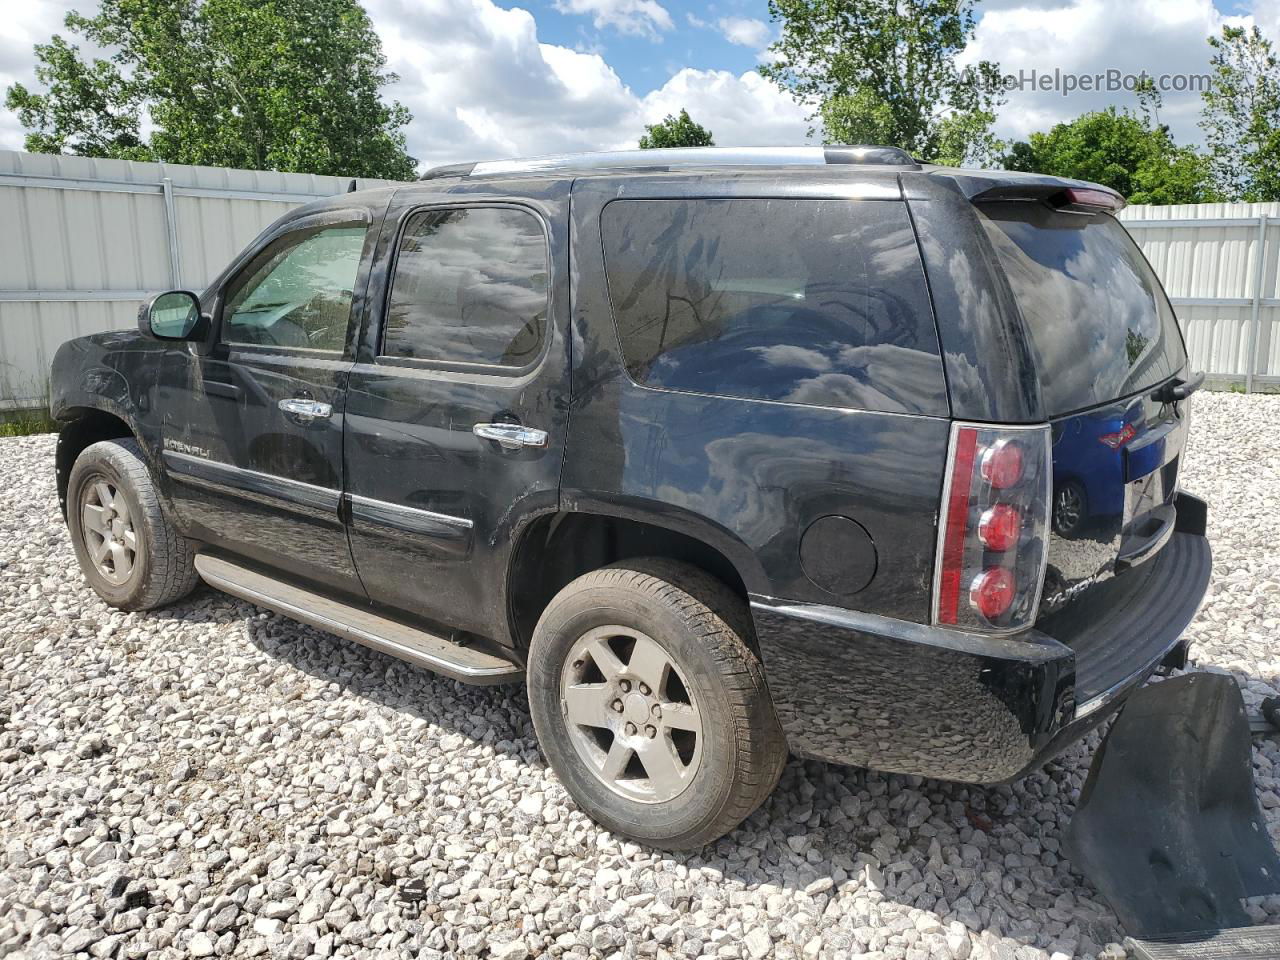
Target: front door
{"type": "Point", "coordinates": [455, 413]}
{"type": "Point", "coordinates": [257, 452]}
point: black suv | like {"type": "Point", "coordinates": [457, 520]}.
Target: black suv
{"type": "Point", "coordinates": [727, 453]}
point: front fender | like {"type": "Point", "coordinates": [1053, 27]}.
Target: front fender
{"type": "Point", "coordinates": [103, 386]}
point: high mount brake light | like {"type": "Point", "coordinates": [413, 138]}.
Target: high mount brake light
{"type": "Point", "coordinates": [990, 562]}
{"type": "Point", "coordinates": [1089, 199]}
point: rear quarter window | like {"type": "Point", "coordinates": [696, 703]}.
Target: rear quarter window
{"type": "Point", "coordinates": [819, 302]}
{"type": "Point", "coordinates": [1099, 323]}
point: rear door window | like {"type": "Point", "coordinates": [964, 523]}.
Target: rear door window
{"type": "Point", "coordinates": [470, 286]}
{"type": "Point", "coordinates": [1098, 320]}
{"type": "Point", "coordinates": [819, 302]}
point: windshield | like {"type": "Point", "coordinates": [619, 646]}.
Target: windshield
{"type": "Point", "coordinates": [1098, 320]}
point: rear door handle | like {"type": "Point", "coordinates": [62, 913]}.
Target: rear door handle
{"type": "Point", "coordinates": [511, 436]}
{"type": "Point", "coordinates": [306, 410]}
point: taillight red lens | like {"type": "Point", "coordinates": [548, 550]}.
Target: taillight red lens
{"type": "Point", "coordinates": [1000, 526]}
{"type": "Point", "coordinates": [992, 592]}
{"type": "Point", "coordinates": [993, 527]}
{"type": "Point", "coordinates": [1002, 464]}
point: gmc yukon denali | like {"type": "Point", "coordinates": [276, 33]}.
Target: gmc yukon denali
{"type": "Point", "coordinates": [725, 453]}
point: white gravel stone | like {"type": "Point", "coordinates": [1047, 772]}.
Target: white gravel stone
{"type": "Point", "coordinates": [213, 780]}
{"type": "Point", "coordinates": [758, 943]}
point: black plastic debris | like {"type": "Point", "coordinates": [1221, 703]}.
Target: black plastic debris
{"type": "Point", "coordinates": [1168, 826]}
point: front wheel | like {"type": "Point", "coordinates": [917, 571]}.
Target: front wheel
{"type": "Point", "coordinates": [651, 707]}
{"type": "Point", "coordinates": [130, 553]}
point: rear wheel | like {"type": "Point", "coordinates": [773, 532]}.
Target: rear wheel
{"type": "Point", "coordinates": [129, 552]}
{"type": "Point", "coordinates": [650, 705]}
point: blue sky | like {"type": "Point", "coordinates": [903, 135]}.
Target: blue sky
{"type": "Point", "coordinates": [488, 78]}
{"type": "Point", "coordinates": [646, 60]}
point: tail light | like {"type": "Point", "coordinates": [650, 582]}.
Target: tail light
{"type": "Point", "coordinates": [993, 528]}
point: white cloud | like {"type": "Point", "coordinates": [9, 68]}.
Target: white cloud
{"type": "Point", "coordinates": [1266, 13]}
{"type": "Point", "coordinates": [25, 24]}
{"type": "Point", "coordinates": [1090, 37]}
{"type": "Point", "coordinates": [744, 110]}
{"type": "Point", "coordinates": [642, 17]}
{"type": "Point", "coordinates": [746, 32]}
{"type": "Point", "coordinates": [480, 85]}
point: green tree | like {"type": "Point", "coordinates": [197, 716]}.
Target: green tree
{"type": "Point", "coordinates": [1241, 119]}
{"type": "Point", "coordinates": [263, 84]}
{"type": "Point", "coordinates": [676, 131]}
{"type": "Point", "coordinates": [1118, 149]}
{"type": "Point", "coordinates": [885, 72]}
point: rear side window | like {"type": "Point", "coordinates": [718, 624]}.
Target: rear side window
{"type": "Point", "coordinates": [1098, 320]}
{"type": "Point", "coordinates": [470, 286]}
{"type": "Point", "coordinates": [803, 301]}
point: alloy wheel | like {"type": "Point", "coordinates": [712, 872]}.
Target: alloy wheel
{"type": "Point", "coordinates": [631, 716]}
{"type": "Point", "coordinates": [107, 527]}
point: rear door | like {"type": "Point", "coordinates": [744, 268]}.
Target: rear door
{"type": "Point", "coordinates": [255, 444]}
{"type": "Point", "coordinates": [1103, 337]}
{"type": "Point", "coordinates": [457, 408]}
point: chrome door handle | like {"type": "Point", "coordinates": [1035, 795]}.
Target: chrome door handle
{"type": "Point", "coordinates": [306, 410]}
{"type": "Point", "coordinates": [511, 436]}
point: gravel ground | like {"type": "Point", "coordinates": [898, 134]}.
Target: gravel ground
{"type": "Point", "coordinates": [210, 780]}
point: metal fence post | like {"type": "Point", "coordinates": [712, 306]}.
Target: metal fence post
{"type": "Point", "coordinates": [171, 229]}
{"type": "Point", "coordinates": [1255, 319]}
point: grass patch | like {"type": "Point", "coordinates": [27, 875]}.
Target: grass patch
{"type": "Point", "coordinates": [24, 423]}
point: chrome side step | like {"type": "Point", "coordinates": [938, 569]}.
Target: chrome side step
{"type": "Point", "coordinates": [424, 649]}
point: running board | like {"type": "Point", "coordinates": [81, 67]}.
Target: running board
{"type": "Point", "coordinates": [467, 664]}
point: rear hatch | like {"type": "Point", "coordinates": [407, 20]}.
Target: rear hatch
{"type": "Point", "coordinates": [1104, 341]}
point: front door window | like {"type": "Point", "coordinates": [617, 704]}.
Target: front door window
{"type": "Point", "coordinates": [298, 293]}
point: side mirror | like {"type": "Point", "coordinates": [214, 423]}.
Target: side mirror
{"type": "Point", "coordinates": [171, 316]}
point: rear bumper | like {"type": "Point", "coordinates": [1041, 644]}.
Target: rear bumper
{"type": "Point", "coordinates": [903, 697]}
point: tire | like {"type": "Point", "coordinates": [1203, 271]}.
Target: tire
{"type": "Point", "coordinates": [161, 568]}
{"type": "Point", "coordinates": [594, 646]}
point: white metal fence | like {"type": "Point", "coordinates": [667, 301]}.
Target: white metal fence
{"type": "Point", "coordinates": [1220, 263]}
{"type": "Point", "coordinates": [83, 241]}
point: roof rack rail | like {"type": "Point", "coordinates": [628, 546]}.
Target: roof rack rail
{"type": "Point", "coordinates": [671, 157]}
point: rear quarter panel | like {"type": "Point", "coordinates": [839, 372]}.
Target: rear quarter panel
{"type": "Point", "coordinates": [745, 476]}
